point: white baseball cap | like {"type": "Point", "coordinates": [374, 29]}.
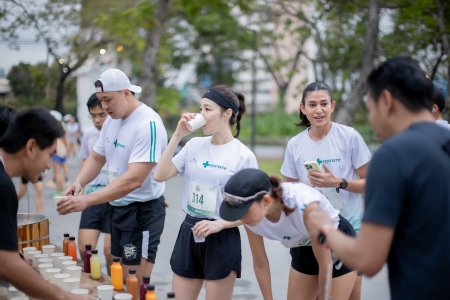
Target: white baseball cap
{"type": "Point", "coordinates": [114, 80]}
{"type": "Point", "coordinates": [57, 115]}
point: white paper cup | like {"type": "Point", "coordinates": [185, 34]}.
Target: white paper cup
{"type": "Point", "coordinates": [80, 292]}
{"type": "Point", "coordinates": [37, 257]}
{"type": "Point", "coordinates": [44, 267]}
{"type": "Point", "coordinates": [45, 261]}
{"type": "Point", "coordinates": [28, 249]}
{"type": "Point", "coordinates": [62, 259]}
{"type": "Point", "coordinates": [48, 249]}
{"type": "Point", "coordinates": [58, 280]}
{"type": "Point", "coordinates": [123, 296]}
{"type": "Point", "coordinates": [198, 239]}
{"type": "Point", "coordinates": [66, 264]}
{"type": "Point", "coordinates": [74, 272]}
{"type": "Point", "coordinates": [71, 284]}
{"type": "Point", "coordinates": [196, 123]}
{"type": "Point", "coordinates": [31, 255]}
{"type": "Point", "coordinates": [19, 298]}
{"type": "Point", "coordinates": [105, 292]}
{"type": "Point", "coordinates": [50, 274]}
{"type": "Point", "coordinates": [13, 292]}
{"type": "Point", "coordinates": [56, 199]}
{"type": "Point", "coordinates": [54, 257]}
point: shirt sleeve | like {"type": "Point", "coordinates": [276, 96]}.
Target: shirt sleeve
{"type": "Point", "coordinates": [84, 150]}
{"type": "Point", "coordinates": [250, 162]}
{"type": "Point", "coordinates": [385, 188]}
{"type": "Point", "coordinates": [360, 153]}
{"type": "Point", "coordinates": [100, 145]}
{"type": "Point", "coordinates": [8, 213]}
{"type": "Point", "coordinates": [288, 168]}
{"type": "Point", "coordinates": [179, 160]}
{"type": "Point", "coordinates": [147, 144]}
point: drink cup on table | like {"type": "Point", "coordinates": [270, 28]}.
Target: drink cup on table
{"type": "Point", "coordinates": [80, 292]}
{"type": "Point", "coordinates": [62, 259]}
{"type": "Point", "coordinates": [59, 280]}
{"type": "Point", "coordinates": [67, 264]}
{"type": "Point", "coordinates": [71, 284]}
{"type": "Point", "coordinates": [13, 292]}
{"type": "Point", "coordinates": [196, 123]}
{"type": "Point", "coordinates": [44, 267]}
{"type": "Point", "coordinates": [26, 250]}
{"type": "Point", "coordinates": [123, 296]}
{"type": "Point", "coordinates": [45, 261]}
{"type": "Point", "coordinates": [54, 257]}
{"type": "Point", "coordinates": [50, 274]}
{"type": "Point", "coordinates": [74, 271]}
{"type": "Point", "coordinates": [37, 257]}
{"type": "Point", "coordinates": [48, 249]}
{"type": "Point", "coordinates": [105, 292]}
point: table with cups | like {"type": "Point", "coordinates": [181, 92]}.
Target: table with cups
{"type": "Point", "coordinates": [62, 271]}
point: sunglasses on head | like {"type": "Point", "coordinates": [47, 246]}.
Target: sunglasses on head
{"type": "Point", "coordinates": [236, 201]}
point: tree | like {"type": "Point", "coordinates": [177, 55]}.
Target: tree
{"type": "Point", "coordinates": [68, 45]}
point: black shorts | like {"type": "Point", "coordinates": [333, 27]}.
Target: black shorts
{"type": "Point", "coordinates": [25, 181]}
{"type": "Point", "coordinates": [213, 259]}
{"type": "Point", "coordinates": [304, 261]}
{"type": "Point", "coordinates": [136, 230]}
{"type": "Point", "coordinates": [96, 217]}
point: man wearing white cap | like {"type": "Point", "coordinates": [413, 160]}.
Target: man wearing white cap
{"type": "Point", "coordinates": [130, 143]}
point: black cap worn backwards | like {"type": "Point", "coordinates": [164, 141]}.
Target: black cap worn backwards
{"type": "Point", "coordinates": [245, 183]}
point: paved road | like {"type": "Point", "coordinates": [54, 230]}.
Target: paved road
{"type": "Point", "coordinates": [246, 287]}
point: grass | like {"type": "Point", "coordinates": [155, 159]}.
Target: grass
{"type": "Point", "coordinates": [271, 166]}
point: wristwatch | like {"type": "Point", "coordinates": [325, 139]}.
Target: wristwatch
{"type": "Point", "coordinates": [323, 233]}
{"type": "Point", "coordinates": [342, 185]}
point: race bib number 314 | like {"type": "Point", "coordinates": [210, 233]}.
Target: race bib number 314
{"type": "Point", "coordinates": [202, 199]}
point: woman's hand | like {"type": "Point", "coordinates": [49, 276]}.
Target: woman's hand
{"type": "Point", "coordinates": [324, 180]}
{"type": "Point", "coordinates": [208, 227]}
{"type": "Point", "coordinates": [182, 129]}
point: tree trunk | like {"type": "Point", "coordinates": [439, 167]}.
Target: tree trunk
{"type": "Point", "coordinates": [445, 44]}
{"type": "Point", "coordinates": [60, 93]}
{"type": "Point", "coordinates": [281, 95]}
{"type": "Point", "coordinates": [346, 113]}
{"type": "Point", "coordinates": [149, 62]}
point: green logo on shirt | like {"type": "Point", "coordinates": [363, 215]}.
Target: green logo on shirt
{"type": "Point", "coordinates": [117, 144]}
{"type": "Point", "coordinates": [327, 161]}
{"type": "Point", "coordinates": [207, 164]}
{"type": "Point", "coordinates": [287, 238]}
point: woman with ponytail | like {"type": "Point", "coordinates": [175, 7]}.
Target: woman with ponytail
{"type": "Point", "coordinates": [214, 256]}
{"type": "Point", "coordinates": [278, 211]}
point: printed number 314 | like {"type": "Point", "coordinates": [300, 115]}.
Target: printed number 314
{"type": "Point", "coordinates": [196, 199]}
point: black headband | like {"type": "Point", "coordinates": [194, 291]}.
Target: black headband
{"type": "Point", "coordinates": [219, 98]}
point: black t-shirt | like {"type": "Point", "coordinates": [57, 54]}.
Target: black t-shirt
{"type": "Point", "coordinates": [9, 205]}
{"type": "Point", "coordinates": [408, 189]}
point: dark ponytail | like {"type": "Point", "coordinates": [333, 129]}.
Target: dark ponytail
{"type": "Point", "coordinates": [239, 100]}
{"type": "Point", "coordinates": [314, 86]}
{"type": "Point", "coordinates": [277, 193]}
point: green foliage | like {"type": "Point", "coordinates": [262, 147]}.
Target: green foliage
{"type": "Point", "coordinates": [274, 124]}
{"type": "Point", "coordinates": [167, 101]}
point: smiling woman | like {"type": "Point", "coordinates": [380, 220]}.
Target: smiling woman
{"type": "Point", "coordinates": [338, 149]}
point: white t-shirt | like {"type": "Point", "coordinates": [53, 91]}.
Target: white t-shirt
{"type": "Point", "coordinates": [90, 138]}
{"type": "Point", "coordinates": [443, 123]}
{"type": "Point", "coordinates": [141, 137]}
{"type": "Point", "coordinates": [72, 130]}
{"type": "Point", "coordinates": [343, 150]}
{"type": "Point", "coordinates": [291, 230]}
{"type": "Point", "coordinates": [206, 169]}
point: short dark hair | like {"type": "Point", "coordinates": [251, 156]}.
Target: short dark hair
{"type": "Point", "coordinates": [93, 102]}
{"type": "Point", "coordinates": [405, 80]}
{"type": "Point", "coordinates": [313, 86]}
{"type": "Point", "coordinates": [35, 123]}
{"type": "Point", "coordinates": [438, 99]}
{"type": "Point", "coordinates": [6, 114]}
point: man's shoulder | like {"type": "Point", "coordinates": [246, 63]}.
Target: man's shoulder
{"type": "Point", "coordinates": [91, 131]}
